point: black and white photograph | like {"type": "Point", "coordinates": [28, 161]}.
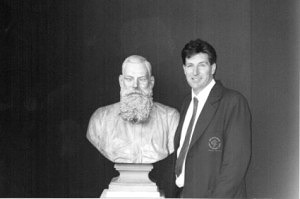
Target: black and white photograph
{"type": "Point", "coordinates": [149, 99]}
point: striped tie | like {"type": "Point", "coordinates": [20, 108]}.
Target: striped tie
{"type": "Point", "coordinates": [185, 146]}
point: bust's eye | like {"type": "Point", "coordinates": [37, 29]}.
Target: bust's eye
{"type": "Point", "coordinates": [143, 79]}
{"type": "Point", "coordinates": [128, 78]}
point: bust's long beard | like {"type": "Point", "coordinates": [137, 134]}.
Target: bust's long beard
{"type": "Point", "coordinates": [136, 105]}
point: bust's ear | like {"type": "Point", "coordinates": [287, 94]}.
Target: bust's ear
{"type": "Point", "coordinates": [152, 80]}
{"type": "Point", "coordinates": [121, 79]}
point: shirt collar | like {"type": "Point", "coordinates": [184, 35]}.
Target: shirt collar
{"type": "Point", "coordinates": [205, 91]}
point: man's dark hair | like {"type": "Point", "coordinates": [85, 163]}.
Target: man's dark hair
{"type": "Point", "coordinates": [199, 46]}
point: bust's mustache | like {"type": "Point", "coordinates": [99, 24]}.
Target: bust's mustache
{"type": "Point", "coordinates": [131, 92]}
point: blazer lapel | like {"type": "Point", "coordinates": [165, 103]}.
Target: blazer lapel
{"type": "Point", "coordinates": [182, 117]}
{"type": "Point", "coordinates": [207, 112]}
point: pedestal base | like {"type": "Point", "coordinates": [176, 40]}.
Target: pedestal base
{"type": "Point", "coordinates": [133, 181]}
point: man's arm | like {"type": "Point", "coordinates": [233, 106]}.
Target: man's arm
{"type": "Point", "coordinates": [237, 149]}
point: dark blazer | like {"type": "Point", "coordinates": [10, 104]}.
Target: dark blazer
{"type": "Point", "coordinates": [220, 149]}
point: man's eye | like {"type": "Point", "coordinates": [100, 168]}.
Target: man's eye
{"type": "Point", "coordinates": [128, 78]}
{"type": "Point", "coordinates": [189, 66]}
{"type": "Point", "coordinates": [204, 64]}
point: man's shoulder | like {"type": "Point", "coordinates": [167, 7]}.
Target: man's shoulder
{"type": "Point", "coordinates": [233, 95]}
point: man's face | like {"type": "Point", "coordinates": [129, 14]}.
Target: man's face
{"type": "Point", "coordinates": [198, 71]}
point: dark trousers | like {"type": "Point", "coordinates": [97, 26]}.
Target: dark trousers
{"type": "Point", "coordinates": [179, 192]}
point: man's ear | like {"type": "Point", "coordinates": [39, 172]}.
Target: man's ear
{"type": "Point", "coordinates": [121, 79]}
{"type": "Point", "coordinates": [213, 68]}
{"type": "Point", "coordinates": [183, 67]}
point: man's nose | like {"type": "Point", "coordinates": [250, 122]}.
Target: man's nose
{"type": "Point", "coordinates": [195, 70]}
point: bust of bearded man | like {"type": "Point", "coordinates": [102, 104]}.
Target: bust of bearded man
{"type": "Point", "coordinates": [136, 129]}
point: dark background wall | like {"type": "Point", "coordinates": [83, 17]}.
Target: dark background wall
{"type": "Point", "coordinates": [60, 61]}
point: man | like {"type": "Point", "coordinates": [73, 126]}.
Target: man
{"type": "Point", "coordinates": [136, 129]}
{"type": "Point", "coordinates": [213, 138]}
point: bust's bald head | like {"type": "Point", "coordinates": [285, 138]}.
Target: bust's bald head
{"type": "Point", "coordinates": [139, 60]}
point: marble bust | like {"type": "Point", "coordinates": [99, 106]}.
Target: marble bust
{"type": "Point", "coordinates": [136, 129]}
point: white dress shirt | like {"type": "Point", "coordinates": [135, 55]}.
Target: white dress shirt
{"type": "Point", "coordinates": [202, 97]}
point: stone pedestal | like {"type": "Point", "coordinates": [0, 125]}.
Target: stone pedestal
{"type": "Point", "coordinates": [133, 181]}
